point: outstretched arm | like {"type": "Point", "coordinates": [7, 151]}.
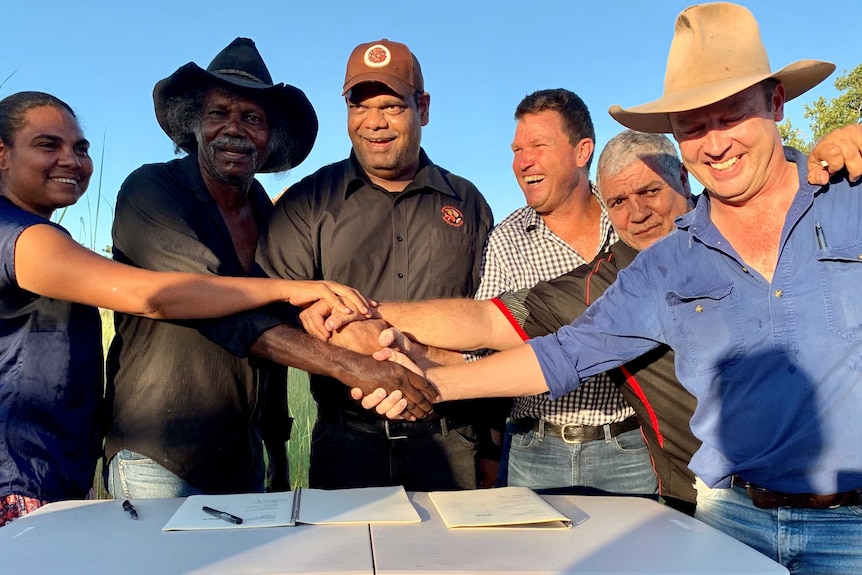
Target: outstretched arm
{"type": "Point", "coordinates": [288, 346]}
{"type": "Point", "coordinates": [510, 373]}
{"type": "Point", "coordinates": [48, 262]}
{"type": "Point", "coordinates": [458, 324]}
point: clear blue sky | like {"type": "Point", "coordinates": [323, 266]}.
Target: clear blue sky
{"type": "Point", "coordinates": [479, 57]}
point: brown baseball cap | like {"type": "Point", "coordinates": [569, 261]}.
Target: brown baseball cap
{"type": "Point", "coordinates": [387, 62]}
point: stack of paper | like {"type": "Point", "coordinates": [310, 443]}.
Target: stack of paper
{"type": "Point", "coordinates": [499, 508]}
{"type": "Point", "coordinates": [311, 506]}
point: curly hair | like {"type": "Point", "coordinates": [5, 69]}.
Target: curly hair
{"type": "Point", "coordinates": [183, 119]}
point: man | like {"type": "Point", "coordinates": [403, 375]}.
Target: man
{"type": "Point", "coordinates": [391, 223]}
{"type": "Point", "coordinates": [644, 187]}
{"type": "Point", "coordinates": [189, 407]}
{"type": "Point", "coordinates": [590, 437]}
{"type": "Point", "coordinates": [755, 292]}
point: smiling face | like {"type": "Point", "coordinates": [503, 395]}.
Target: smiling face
{"type": "Point", "coordinates": [642, 204]}
{"type": "Point", "coordinates": [386, 131]}
{"type": "Point", "coordinates": [546, 164]}
{"type": "Point", "coordinates": [233, 137]}
{"type": "Point", "coordinates": [733, 146]}
{"type": "Point", "coordinates": [47, 164]}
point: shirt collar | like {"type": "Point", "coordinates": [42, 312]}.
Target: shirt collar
{"type": "Point", "coordinates": [429, 176]}
{"type": "Point", "coordinates": [534, 222]}
{"type": "Point", "coordinates": [624, 253]}
{"type": "Point", "coordinates": [697, 221]}
{"type": "Point", "coordinates": [189, 175]}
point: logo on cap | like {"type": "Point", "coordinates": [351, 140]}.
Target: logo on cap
{"type": "Point", "coordinates": [452, 216]}
{"type": "Point", "coordinates": [377, 56]}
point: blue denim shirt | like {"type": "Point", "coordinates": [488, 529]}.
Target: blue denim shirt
{"type": "Point", "coordinates": [776, 367]}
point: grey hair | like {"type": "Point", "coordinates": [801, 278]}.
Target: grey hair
{"type": "Point", "coordinates": [628, 146]}
{"type": "Point", "coordinates": [183, 120]}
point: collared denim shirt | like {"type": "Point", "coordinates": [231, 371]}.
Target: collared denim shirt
{"type": "Point", "coordinates": [776, 367]}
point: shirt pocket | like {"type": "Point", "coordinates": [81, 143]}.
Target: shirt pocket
{"type": "Point", "coordinates": [453, 254]}
{"type": "Point", "coordinates": [840, 271]}
{"type": "Point", "coordinates": [710, 323]}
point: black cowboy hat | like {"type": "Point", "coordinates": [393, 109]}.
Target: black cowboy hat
{"type": "Point", "coordinates": [240, 68]}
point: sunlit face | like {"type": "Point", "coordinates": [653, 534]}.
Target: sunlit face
{"type": "Point", "coordinates": [731, 146]}
{"type": "Point", "coordinates": [233, 137]}
{"type": "Point", "coordinates": [546, 164]}
{"type": "Point", "coordinates": [386, 130]}
{"type": "Point", "coordinates": [642, 204]}
{"type": "Point", "coordinates": [47, 164]}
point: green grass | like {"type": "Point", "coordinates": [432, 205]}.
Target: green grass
{"type": "Point", "coordinates": [302, 408]}
{"type": "Point", "coordinates": [304, 412]}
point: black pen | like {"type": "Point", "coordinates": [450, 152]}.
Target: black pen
{"type": "Point", "coordinates": [222, 515]}
{"type": "Point", "coordinates": [127, 506]}
{"type": "Point", "coordinates": [821, 239]}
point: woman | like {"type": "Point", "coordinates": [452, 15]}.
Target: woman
{"type": "Point", "coordinates": [50, 333]}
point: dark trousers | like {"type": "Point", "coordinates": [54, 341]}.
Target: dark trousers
{"type": "Point", "coordinates": [351, 453]}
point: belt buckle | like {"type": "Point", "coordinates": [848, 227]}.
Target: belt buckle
{"type": "Point", "coordinates": [389, 434]}
{"type": "Point", "coordinates": [566, 439]}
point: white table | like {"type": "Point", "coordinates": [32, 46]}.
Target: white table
{"type": "Point", "coordinates": [98, 537]}
{"type": "Point", "coordinates": [622, 535]}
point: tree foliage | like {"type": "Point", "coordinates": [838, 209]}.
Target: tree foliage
{"type": "Point", "coordinates": [824, 116]}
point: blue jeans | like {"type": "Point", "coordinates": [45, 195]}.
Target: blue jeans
{"type": "Point", "coordinates": [618, 464]}
{"type": "Point", "coordinates": [134, 476]}
{"type": "Point", "coordinates": [805, 541]}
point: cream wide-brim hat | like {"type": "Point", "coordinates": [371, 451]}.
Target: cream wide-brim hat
{"type": "Point", "coordinates": [716, 52]}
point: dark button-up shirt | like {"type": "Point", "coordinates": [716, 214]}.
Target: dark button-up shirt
{"type": "Point", "coordinates": [424, 242]}
{"type": "Point", "coordinates": [184, 393]}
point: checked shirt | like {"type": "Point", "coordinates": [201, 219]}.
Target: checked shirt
{"type": "Point", "coordinates": [522, 251]}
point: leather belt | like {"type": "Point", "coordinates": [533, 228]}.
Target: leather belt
{"type": "Point", "coordinates": [571, 433]}
{"type": "Point", "coordinates": [766, 499]}
{"type": "Point", "coordinates": [391, 429]}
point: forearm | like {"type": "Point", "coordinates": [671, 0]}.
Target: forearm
{"type": "Point", "coordinates": [510, 373]}
{"type": "Point", "coordinates": [452, 324]}
{"type": "Point", "coordinates": [193, 296]}
{"type": "Point", "coordinates": [435, 356]}
{"type": "Point", "coordinates": [49, 263]}
{"type": "Point", "coordinates": [288, 346]}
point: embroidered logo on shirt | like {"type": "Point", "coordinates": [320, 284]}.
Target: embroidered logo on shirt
{"type": "Point", "coordinates": [452, 216]}
{"type": "Point", "coordinates": [377, 56]}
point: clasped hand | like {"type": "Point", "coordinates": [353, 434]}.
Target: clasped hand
{"type": "Point", "coordinates": [408, 397]}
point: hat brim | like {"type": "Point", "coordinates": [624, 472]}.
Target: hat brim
{"type": "Point", "coordinates": [404, 89]}
{"type": "Point", "coordinates": [297, 113]}
{"type": "Point", "coordinates": [652, 117]}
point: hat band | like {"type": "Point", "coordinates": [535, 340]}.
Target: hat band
{"type": "Point", "coordinates": [240, 73]}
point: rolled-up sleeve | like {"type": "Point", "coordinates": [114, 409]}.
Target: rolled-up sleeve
{"type": "Point", "coordinates": [624, 323]}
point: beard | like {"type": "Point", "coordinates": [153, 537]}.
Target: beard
{"type": "Point", "coordinates": [239, 145]}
